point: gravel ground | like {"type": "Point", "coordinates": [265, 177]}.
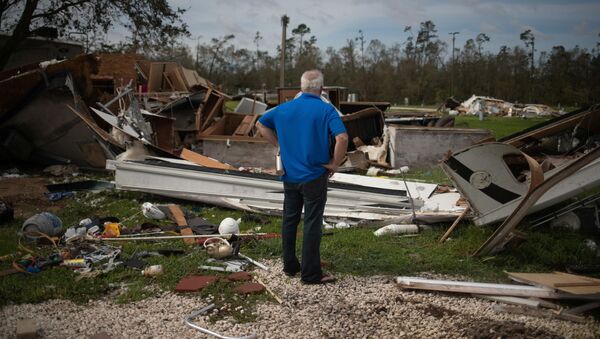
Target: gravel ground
{"type": "Point", "coordinates": [352, 307]}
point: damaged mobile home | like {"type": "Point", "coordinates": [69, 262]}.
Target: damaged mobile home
{"type": "Point", "coordinates": [527, 172]}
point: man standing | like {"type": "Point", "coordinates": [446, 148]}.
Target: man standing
{"type": "Point", "coordinates": [301, 128]}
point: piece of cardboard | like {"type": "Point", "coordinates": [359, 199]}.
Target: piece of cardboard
{"type": "Point", "coordinates": [570, 283]}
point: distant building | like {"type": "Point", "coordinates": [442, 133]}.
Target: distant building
{"type": "Point", "coordinates": [37, 49]}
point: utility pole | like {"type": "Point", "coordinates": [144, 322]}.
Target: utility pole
{"type": "Point", "coordinates": [198, 52]}
{"type": "Point", "coordinates": [285, 20]}
{"type": "Point", "coordinates": [453, 62]}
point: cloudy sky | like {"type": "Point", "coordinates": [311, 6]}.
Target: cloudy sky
{"type": "Point", "coordinates": [567, 23]}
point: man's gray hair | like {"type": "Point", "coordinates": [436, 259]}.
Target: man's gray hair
{"type": "Point", "coordinates": [311, 80]}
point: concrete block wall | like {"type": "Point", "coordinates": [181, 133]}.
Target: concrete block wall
{"type": "Point", "coordinates": [424, 147]}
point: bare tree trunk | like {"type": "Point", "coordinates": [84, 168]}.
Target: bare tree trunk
{"type": "Point", "coordinates": [19, 34]}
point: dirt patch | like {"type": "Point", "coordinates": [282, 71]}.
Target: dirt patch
{"type": "Point", "coordinates": [483, 329]}
{"type": "Point", "coordinates": [27, 196]}
{"type": "Point", "coordinates": [436, 311]}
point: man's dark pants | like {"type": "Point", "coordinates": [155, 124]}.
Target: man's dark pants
{"type": "Point", "coordinates": [312, 195]}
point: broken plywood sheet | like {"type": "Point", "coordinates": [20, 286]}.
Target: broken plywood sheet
{"type": "Point", "coordinates": [192, 78]}
{"type": "Point", "coordinates": [204, 161]}
{"type": "Point", "coordinates": [156, 80]}
{"type": "Point", "coordinates": [417, 190]}
{"type": "Point", "coordinates": [570, 283]}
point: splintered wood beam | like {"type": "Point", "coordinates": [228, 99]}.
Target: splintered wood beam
{"type": "Point", "coordinates": [180, 220]}
{"type": "Point", "coordinates": [205, 161]}
{"type": "Point", "coordinates": [453, 226]}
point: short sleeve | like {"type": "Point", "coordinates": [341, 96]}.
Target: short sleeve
{"type": "Point", "coordinates": [268, 119]}
{"type": "Point", "coordinates": [334, 123]}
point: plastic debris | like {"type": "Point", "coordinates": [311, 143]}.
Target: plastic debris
{"type": "Point", "coordinates": [152, 212]}
{"type": "Point", "coordinates": [45, 223]}
{"type": "Point", "coordinates": [397, 229]}
{"type": "Point", "coordinates": [229, 226]}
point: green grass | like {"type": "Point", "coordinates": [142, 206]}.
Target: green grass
{"type": "Point", "coordinates": [353, 251]}
{"type": "Point", "coordinates": [231, 105]}
{"type": "Point", "coordinates": [499, 126]}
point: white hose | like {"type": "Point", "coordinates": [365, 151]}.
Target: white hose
{"type": "Point", "coordinates": [188, 322]}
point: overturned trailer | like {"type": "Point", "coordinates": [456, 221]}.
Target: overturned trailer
{"type": "Point", "coordinates": [499, 178]}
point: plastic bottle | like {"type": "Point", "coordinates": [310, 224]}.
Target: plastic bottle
{"type": "Point", "coordinates": [153, 271]}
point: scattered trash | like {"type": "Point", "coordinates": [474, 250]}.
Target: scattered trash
{"type": "Point", "coordinates": [218, 248]}
{"type": "Point", "coordinates": [189, 318]}
{"type": "Point", "coordinates": [44, 223]}
{"type": "Point", "coordinates": [56, 196]}
{"type": "Point", "coordinates": [568, 220]}
{"type": "Point", "coordinates": [397, 229]}
{"type": "Point", "coordinates": [230, 265]}
{"type": "Point", "coordinates": [342, 224]}
{"type": "Point", "coordinates": [111, 230]}
{"type": "Point", "coordinates": [230, 226]}
{"type": "Point", "coordinates": [153, 271]}
{"type": "Point", "coordinates": [254, 262]}
{"type": "Point", "coordinates": [373, 171]}
{"type": "Point", "coordinates": [152, 212]}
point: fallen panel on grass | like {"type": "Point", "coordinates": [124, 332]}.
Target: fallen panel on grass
{"type": "Point", "coordinates": [349, 196]}
{"type": "Point", "coordinates": [562, 179]}
{"type": "Point", "coordinates": [483, 177]}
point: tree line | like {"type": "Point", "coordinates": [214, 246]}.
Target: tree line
{"type": "Point", "coordinates": [422, 69]}
{"type": "Point", "coordinates": [419, 69]}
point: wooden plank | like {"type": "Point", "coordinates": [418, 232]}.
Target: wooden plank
{"type": "Point", "coordinates": [212, 112]}
{"type": "Point", "coordinates": [570, 283]}
{"type": "Point", "coordinates": [202, 160]}
{"type": "Point", "coordinates": [180, 220]}
{"type": "Point", "coordinates": [475, 288]}
{"type": "Point", "coordinates": [453, 226]}
{"type": "Point", "coordinates": [584, 308]}
{"type": "Point", "coordinates": [539, 313]}
{"type": "Point", "coordinates": [246, 126]}
{"type": "Point", "coordinates": [510, 300]}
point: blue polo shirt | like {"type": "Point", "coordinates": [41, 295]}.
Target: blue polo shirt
{"type": "Point", "coordinates": [303, 127]}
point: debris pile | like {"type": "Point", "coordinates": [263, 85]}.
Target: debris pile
{"type": "Point", "coordinates": [481, 105]}
{"type": "Point", "coordinates": [528, 172]}
{"type": "Point", "coordinates": [536, 296]}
